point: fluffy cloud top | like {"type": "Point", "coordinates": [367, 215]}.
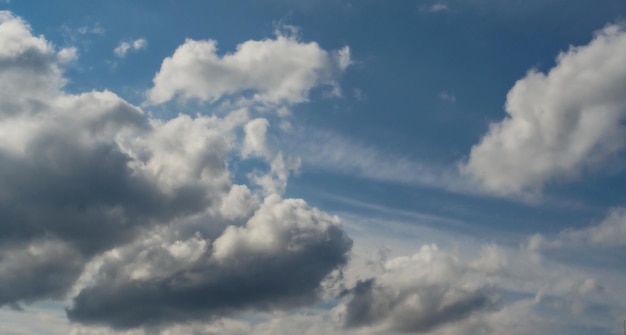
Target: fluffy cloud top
{"type": "Point", "coordinates": [272, 70]}
{"type": "Point", "coordinates": [29, 71]}
{"type": "Point", "coordinates": [138, 218]}
{"type": "Point", "coordinates": [559, 124]}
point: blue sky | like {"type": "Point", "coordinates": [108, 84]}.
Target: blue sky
{"type": "Point", "coordinates": [338, 167]}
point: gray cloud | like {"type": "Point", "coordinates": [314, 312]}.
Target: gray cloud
{"type": "Point", "coordinates": [371, 304]}
{"type": "Point", "coordinates": [43, 269]}
{"type": "Point", "coordinates": [136, 216]}
{"type": "Point", "coordinates": [417, 294]}
{"type": "Point", "coordinates": [68, 177]}
{"type": "Point", "coordinates": [277, 260]}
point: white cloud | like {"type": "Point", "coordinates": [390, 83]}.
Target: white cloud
{"type": "Point", "coordinates": [67, 55]}
{"type": "Point", "coordinates": [336, 153]}
{"type": "Point", "coordinates": [439, 292]}
{"type": "Point", "coordinates": [96, 29]}
{"type": "Point", "coordinates": [417, 294]}
{"type": "Point", "coordinates": [96, 196]}
{"type": "Point", "coordinates": [239, 203]}
{"type": "Point", "coordinates": [611, 232]}
{"type": "Point", "coordinates": [538, 295]}
{"type": "Point", "coordinates": [274, 71]}
{"type": "Point", "coordinates": [30, 79]}
{"type": "Point", "coordinates": [559, 124]}
{"type": "Point", "coordinates": [255, 144]}
{"type": "Point", "coordinates": [255, 139]}
{"type": "Point", "coordinates": [275, 181]}
{"type": "Point", "coordinates": [124, 47]}
{"type": "Point", "coordinates": [436, 8]}
{"type": "Point", "coordinates": [274, 222]}
{"type": "Point", "coordinates": [82, 36]}
{"type": "Point", "coordinates": [343, 58]}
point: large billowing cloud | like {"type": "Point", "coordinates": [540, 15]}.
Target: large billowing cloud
{"type": "Point", "coordinates": [559, 124]}
{"type": "Point", "coordinates": [273, 70]}
{"type": "Point", "coordinates": [277, 260]}
{"type": "Point", "coordinates": [137, 217]}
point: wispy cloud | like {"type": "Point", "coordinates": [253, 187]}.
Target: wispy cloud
{"type": "Point", "coordinates": [336, 153]}
{"type": "Point", "coordinates": [96, 29]}
{"type": "Point", "coordinates": [82, 33]}
{"type": "Point", "coordinates": [436, 8]}
{"type": "Point", "coordinates": [124, 47]}
{"type": "Point", "coordinates": [447, 97]}
{"type": "Point", "coordinates": [610, 233]}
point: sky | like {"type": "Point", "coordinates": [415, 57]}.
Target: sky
{"type": "Point", "coordinates": [332, 167]}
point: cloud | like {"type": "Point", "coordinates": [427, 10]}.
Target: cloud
{"type": "Point", "coordinates": [140, 223]}
{"type": "Point", "coordinates": [40, 269]}
{"type": "Point", "coordinates": [447, 97]}
{"type": "Point", "coordinates": [560, 124]}
{"type": "Point", "coordinates": [416, 294]}
{"type": "Point", "coordinates": [96, 29]}
{"type": "Point", "coordinates": [609, 233]}
{"type": "Point", "coordinates": [472, 290]}
{"type": "Point", "coordinates": [339, 154]}
{"type": "Point", "coordinates": [67, 55]}
{"type": "Point", "coordinates": [343, 58]}
{"type": "Point", "coordinates": [272, 71]}
{"type": "Point", "coordinates": [82, 36]}
{"type": "Point", "coordinates": [138, 218]}
{"type": "Point", "coordinates": [277, 260]}
{"type": "Point", "coordinates": [255, 138]}
{"type": "Point", "coordinates": [124, 47]}
{"type": "Point", "coordinates": [436, 8]}
{"type": "Point", "coordinates": [28, 72]}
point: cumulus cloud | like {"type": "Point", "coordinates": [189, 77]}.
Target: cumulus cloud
{"type": "Point", "coordinates": [28, 73]}
{"type": "Point", "coordinates": [476, 291]}
{"type": "Point", "coordinates": [559, 124]}
{"type": "Point", "coordinates": [277, 260]}
{"type": "Point", "coordinates": [273, 71]}
{"type": "Point", "coordinates": [136, 217]}
{"type": "Point", "coordinates": [125, 47]}
{"type": "Point", "coordinates": [417, 294]}
{"type": "Point", "coordinates": [67, 191]}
